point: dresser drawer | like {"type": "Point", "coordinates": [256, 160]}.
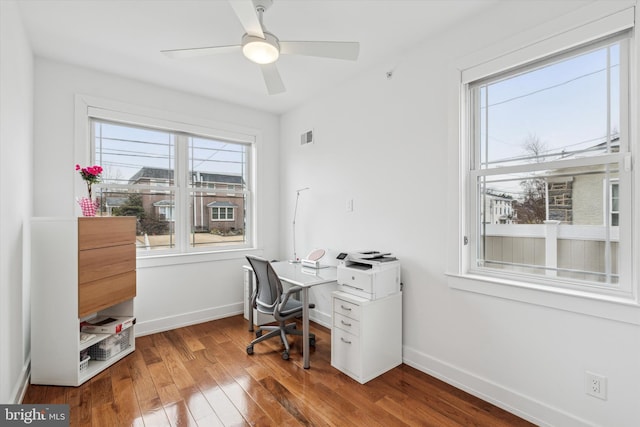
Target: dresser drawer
{"type": "Point", "coordinates": [346, 323]}
{"type": "Point", "coordinates": [100, 232]}
{"type": "Point", "coordinates": [94, 264]}
{"type": "Point", "coordinates": [102, 293]}
{"type": "Point", "coordinates": [346, 308]}
{"type": "Point", "coordinates": [345, 352]}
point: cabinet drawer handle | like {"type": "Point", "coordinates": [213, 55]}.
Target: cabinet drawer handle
{"type": "Point", "coordinates": [345, 323]}
{"type": "Point", "coordinates": [345, 341]}
{"type": "Point", "coordinates": [345, 308]}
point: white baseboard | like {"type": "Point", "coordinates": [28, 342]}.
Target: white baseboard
{"type": "Point", "coordinates": [320, 318]}
{"type": "Point", "coordinates": [510, 400]}
{"type": "Point", "coordinates": [20, 387]}
{"type": "Point", "coordinates": [195, 317]}
{"type": "Point", "coordinates": [186, 319]}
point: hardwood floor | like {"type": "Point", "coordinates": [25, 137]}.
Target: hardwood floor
{"type": "Point", "coordinates": [200, 375]}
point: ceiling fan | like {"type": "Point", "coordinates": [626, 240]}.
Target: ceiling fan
{"type": "Point", "coordinates": [264, 48]}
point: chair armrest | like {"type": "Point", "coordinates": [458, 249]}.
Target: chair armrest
{"type": "Point", "coordinates": [291, 290]}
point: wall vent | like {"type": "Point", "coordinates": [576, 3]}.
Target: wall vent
{"type": "Point", "coordinates": [306, 137]}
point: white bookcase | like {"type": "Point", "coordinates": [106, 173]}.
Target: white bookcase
{"type": "Point", "coordinates": [80, 268]}
{"type": "Point", "coordinates": [366, 338]}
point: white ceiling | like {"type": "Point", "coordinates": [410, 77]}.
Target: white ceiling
{"type": "Point", "coordinates": [124, 37]}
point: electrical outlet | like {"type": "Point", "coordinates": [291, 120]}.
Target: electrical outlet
{"type": "Point", "coordinates": [595, 385]}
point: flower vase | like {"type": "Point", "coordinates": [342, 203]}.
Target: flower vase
{"type": "Point", "coordinates": [88, 206]}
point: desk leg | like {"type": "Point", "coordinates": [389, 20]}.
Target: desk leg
{"type": "Point", "coordinates": [305, 327]}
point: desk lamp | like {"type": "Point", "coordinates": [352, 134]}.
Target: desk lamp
{"type": "Point", "coordinates": [295, 211]}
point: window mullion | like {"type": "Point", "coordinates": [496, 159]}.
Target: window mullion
{"type": "Point", "coordinates": [182, 192]}
{"type": "Point", "coordinates": [556, 164]}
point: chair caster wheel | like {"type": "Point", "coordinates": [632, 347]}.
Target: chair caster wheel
{"type": "Point", "coordinates": [312, 342]}
{"type": "Point", "coordinates": [250, 349]}
{"type": "Point", "coordinates": [285, 355]}
{"type": "Point", "coordinates": [258, 334]}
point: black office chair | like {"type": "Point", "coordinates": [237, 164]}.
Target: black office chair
{"type": "Point", "coordinates": [268, 298]}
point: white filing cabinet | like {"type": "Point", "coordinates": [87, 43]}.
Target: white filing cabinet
{"type": "Point", "coordinates": [366, 338]}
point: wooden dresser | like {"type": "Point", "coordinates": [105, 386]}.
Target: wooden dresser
{"type": "Point", "coordinates": [80, 268]}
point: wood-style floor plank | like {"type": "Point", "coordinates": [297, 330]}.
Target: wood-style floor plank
{"type": "Point", "coordinates": [201, 376]}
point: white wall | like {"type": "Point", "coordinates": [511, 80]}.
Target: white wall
{"type": "Point", "coordinates": [383, 143]}
{"type": "Point", "coordinates": [183, 292]}
{"type": "Point", "coordinates": [16, 145]}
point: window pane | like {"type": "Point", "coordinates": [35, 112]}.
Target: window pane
{"type": "Point", "coordinates": [549, 223]}
{"type": "Point", "coordinates": [218, 217]}
{"type": "Point", "coordinates": [217, 220]}
{"type": "Point", "coordinates": [132, 155]}
{"type": "Point", "coordinates": [553, 112]}
{"type": "Point", "coordinates": [154, 211]}
{"type": "Point", "coordinates": [218, 164]}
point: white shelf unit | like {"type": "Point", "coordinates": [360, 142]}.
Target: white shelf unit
{"type": "Point", "coordinates": [80, 268]}
{"type": "Point", "coordinates": [366, 338]}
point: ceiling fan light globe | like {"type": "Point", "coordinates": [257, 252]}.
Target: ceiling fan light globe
{"type": "Point", "coordinates": [261, 51]}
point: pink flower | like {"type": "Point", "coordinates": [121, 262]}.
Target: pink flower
{"type": "Point", "coordinates": [91, 174]}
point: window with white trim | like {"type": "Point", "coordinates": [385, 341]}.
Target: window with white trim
{"type": "Point", "coordinates": [614, 203]}
{"type": "Point", "coordinates": [222, 213]}
{"type": "Point", "coordinates": [551, 137]}
{"type": "Point", "coordinates": [167, 179]}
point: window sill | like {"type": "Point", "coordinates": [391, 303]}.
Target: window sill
{"type": "Point", "coordinates": [606, 307]}
{"type": "Point", "coordinates": [166, 259]}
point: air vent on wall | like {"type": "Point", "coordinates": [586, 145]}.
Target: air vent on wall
{"type": "Point", "coordinates": [306, 137]}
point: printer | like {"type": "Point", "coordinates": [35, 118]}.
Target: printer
{"type": "Point", "coordinates": [368, 274]}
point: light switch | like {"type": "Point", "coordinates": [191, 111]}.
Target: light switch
{"type": "Point", "coordinates": [349, 205]}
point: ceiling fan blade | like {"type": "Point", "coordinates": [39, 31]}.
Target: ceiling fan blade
{"type": "Point", "coordinates": [272, 79]}
{"type": "Point", "coordinates": [200, 51]}
{"type": "Point", "coordinates": [246, 12]}
{"type": "Point", "coordinates": [336, 50]}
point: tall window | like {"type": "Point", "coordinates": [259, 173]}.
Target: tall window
{"type": "Point", "coordinates": [548, 140]}
{"type": "Point", "coordinates": [167, 179]}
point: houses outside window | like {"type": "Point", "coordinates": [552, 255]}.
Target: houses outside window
{"type": "Point", "coordinates": [545, 141]}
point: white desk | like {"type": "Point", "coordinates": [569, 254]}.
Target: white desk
{"type": "Point", "coordinates": [304, 277]}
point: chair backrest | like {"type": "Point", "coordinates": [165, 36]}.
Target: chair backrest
{"type": "Point", "coordinates": [268, 288]}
